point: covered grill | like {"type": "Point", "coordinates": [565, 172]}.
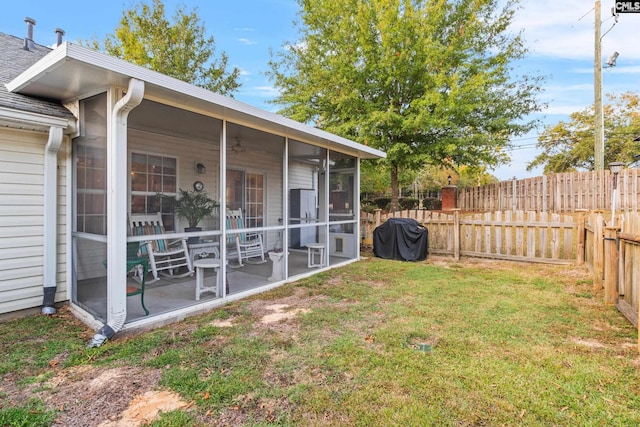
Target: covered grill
{"type": "Point", "coordinates": [401, 238]}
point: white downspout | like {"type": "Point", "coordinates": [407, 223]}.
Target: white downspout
{"type": "Point", "coordinates": [51, 219]}
{"type": "Point", "coordinates": [117, 212]}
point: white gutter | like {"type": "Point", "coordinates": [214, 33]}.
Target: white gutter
{"type": "Point", "coordinates": [33, 121]}
{"type": "Point", "coordinates": [50, 218]}
{"type": "Point", "coordinates": [117, 212]}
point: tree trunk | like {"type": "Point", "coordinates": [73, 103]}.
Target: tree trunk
{"type": "Point", "coordinates": [394, 188]}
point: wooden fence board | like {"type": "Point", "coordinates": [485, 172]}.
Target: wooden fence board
{"type": "Point", "coordinates": [531, 235]}
{"type": "Point", "coordinates": [500, 235]}
{"type": "Point", "coordinates": [543, 235]}
{"type": "Point", "coordinates": [508, 234]}
{"type": "Point", "coordinates": [561, 192]}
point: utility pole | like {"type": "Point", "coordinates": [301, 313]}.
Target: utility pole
{"type": "Point", "coordinates": [598, 130]}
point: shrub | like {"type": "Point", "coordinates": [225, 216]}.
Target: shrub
{"type": "Point", "coordinates": [382, 203]}
{"type": "Point", "coordinates": [368, 206]}
{"type": "Point", "coordinates": [408, 203]}
{"type": "Point", "coordinates": [432, 204]}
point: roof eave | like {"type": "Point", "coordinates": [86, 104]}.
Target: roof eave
{"type": "Point", "coordinates": [119, 71]}
{"type": "Point", "coordinates": [16, 119]}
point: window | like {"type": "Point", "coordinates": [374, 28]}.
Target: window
{"type": "Point", "coordinates": [254, 204]}
{"type": "Point", "coordinates": [153, 186]}
{"type": "Point", "coordinates": [245, 190]}
{"type": "Point", "coordinates": [91, 180]}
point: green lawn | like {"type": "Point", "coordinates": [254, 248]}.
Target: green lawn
{"type": "Point", "coordinates": [374, 343]}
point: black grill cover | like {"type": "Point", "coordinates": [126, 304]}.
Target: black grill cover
{"type": "Point", "coordinates": [401, 238]}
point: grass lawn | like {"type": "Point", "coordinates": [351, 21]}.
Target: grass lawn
{"type": "Point", "coordinates": [375, 343]}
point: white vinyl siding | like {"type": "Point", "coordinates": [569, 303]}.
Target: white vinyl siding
{"type": "Point", "coordinates": [301, 176]}
{"type": "Point", "coordinates": [22, 220]}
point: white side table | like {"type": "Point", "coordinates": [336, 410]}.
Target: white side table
{"type": "Point", "coordinates": [200, 265]}
{"type": "Point", "coordinates": [203, 249]}
{"type": "Point", "coordinates": [314, 249]}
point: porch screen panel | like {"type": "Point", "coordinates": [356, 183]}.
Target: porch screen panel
{"type": "Point", "coordinates": [90, 152]}
{"type": "Point", "coordinates": [343, 241]}
{"type": "Point", "coordinates": [89, 247]}
{"type": "Point", "coordinates": [307, 167]}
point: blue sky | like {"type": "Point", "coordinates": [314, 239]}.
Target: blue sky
{"type": "Point", "coordinates": [560, 36]}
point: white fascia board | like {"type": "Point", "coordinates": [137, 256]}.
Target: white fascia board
{"type": "Point", "coordinates": [35, 121]}
{"type": "Point", "coordinates": [125, 70]}
{"type": "Point", "coordinates": [49, 62]}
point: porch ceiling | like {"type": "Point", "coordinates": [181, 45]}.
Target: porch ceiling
{"type": "Point", "coordinates": [70, 72]}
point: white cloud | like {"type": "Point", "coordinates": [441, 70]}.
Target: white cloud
{"type": "Point", "coordinates": [565, 29]}
{"type": "Point", "coordinates": [635, 69]}
{"type": "Point", "coordinates": [259, 92]}
{"type": "Point", "coordinates": [564, 110]}
{"type": "Point", "coordinates": [246, 41]}
{"type": "Point", "coordinates": [265, 91]}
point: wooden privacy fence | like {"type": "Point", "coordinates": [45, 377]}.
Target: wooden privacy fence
{"type": "Point", "coordinates": [610, 247]}
{"type": "Point", "coordinates": [613, 255]}
{"type": "Point", "coordinates": [518, 236]}
{"type": "Point", "coordinates": [562, 192]}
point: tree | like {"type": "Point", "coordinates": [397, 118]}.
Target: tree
{"type": "Point", "coordinates": [567, 147]}
{"type": "Point", "coordinates": [179, 49]}
{"type": "Point", "coordinates": [427, 81]}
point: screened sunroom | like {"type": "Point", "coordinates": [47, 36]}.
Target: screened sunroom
{"type": "Point", "coordinates": [283, 197]}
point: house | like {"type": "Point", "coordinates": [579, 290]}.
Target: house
{"type": "Point", "coordinates": [88, 142]}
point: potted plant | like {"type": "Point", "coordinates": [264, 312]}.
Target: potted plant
{"type": "Point", "coordinates": [194, 206]}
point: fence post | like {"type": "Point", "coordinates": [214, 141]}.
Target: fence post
{"type": "Point", "coordinates": [610, 265]}
{"type": "Point", "coordinates": [378, 216]}
{"type": "Point", "coordinates": [580, 248]}
{"type": "Point", "coordinates": [598, 273]}
{"type": "Point", "coordinates": [456, 234]}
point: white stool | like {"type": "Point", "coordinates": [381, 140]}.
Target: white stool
{"type": "Point", "coordinates": [312, 250]}
{"type": "Point", "coordinates": [200, 265]}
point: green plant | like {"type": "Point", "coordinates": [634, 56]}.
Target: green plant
{"type": "Point", "coordinates": [32, 414]}
{"type": "Point", "coordinates": [194, 206]}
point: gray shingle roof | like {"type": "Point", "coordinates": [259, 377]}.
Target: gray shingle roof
{"type": "Point", "coordinates": [13, 61]}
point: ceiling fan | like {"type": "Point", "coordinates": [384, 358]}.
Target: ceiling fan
{"type": "Point", "coordinates": [237, 147]}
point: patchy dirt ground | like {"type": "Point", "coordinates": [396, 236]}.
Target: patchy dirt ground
{"type": "Point", "coordinates": [131, 396]}
{"type": "Point", "coordinates": [88, 396]}
{"type": "Point", "coordinates": [91, 396]}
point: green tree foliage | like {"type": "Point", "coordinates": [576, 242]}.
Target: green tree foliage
{"type": "Point", "coordinates": [374, 178]}
{"type": "Point", "coordinates": [568, 147]}
{"type": "Point", "coordinates": [179, 49]}
{"type": "Point", "coordinates": [426, 81]}
{"type": "Point", "coordinates": [433, 178]}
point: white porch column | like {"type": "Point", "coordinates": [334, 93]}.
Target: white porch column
{"type": "Point", "coordinates": [117, 210]}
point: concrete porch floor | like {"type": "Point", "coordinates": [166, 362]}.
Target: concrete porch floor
{"type": "Point", "coordinates": [167, 294]}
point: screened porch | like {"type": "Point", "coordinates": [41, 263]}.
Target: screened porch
{"type": "Point", "coordinates": [300, 198]}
